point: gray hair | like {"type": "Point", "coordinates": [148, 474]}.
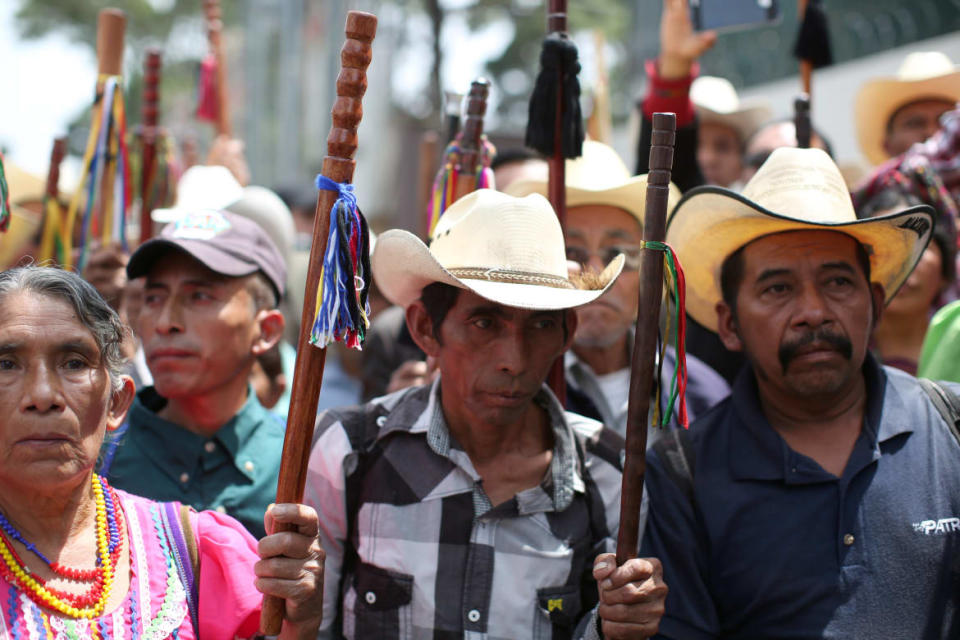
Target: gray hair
{"type": "Point", "coordinates": [92, 310]}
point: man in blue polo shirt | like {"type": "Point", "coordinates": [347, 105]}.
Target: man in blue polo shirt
{"type": "Point", "coordinates": [821, 500]}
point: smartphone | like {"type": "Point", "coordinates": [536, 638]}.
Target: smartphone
{"type": "Point", "coordinates": [729, 15]}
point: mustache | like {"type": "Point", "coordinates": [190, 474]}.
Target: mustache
{"type": "Point", "coordinates": [789, 350]}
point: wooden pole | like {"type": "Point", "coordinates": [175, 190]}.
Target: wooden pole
{"type": "Point", "coordinates": [557, 178]}
{"type": "Point", "coordinates": [429, 149]}
{"type": "Point", "coordinates": [213, 14]}
{"type": "Point", "coordinates": [111, 26]}
{"type": "Point", "coordinates": [470, 140]}
{"type": "Point", "coordinates": [148, 139]}
{"type": "Point", "coordinates": [57, 154]}
{"type": "Point", "coordinates": [806, 67]}
{"type": "Point", "coordinates": [801, 114]}
{"type": "Point", "coordinates": [53, 217]}
{"type": "Point", "coordinates": [338, 165]}
{"type": "Point", "coordinates": [645, 345]}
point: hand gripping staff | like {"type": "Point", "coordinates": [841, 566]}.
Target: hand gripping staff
{"type": "Point", "coordinates": [655, 254]}
{"type": "Point", "coordinates": [339, 236]}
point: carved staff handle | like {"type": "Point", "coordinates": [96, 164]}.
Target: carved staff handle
{"type": "Point", "coordinates": [645, 345]}
{"type": "Point", "coordinates": [148, 137]}
{"type": "Point", "coordinates": [338, 165]}
{"type": "Point", "coordinates": [470, 140]}
{"type": "Point", "coordinates": [57, 154]}
{"type": "Point", "coordinates": [111, 26]}
{"type": "Point", "coordinates": [213, 14]}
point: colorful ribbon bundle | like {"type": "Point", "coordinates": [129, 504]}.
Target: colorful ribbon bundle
{"type": "Point", "coordinates": [105, 176]}
{"type": "Point", "coordinates": [4, 199]}
{"type": "Point", "coordinates": [445, 185]}
{"type": "Point", "coordinates": [164, 174]}
{"type": "Point", "coordinates": [676, 290]}
{"type": "Point", "coordinates": [342, 312]}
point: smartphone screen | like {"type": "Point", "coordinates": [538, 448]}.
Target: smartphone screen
{"type": "Point", "coordinates": [732, 14]}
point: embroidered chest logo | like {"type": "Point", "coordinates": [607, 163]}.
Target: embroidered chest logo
{"type": "Point", "coordinates": [555, 604]}
{"type": "Point", "coordinates": [937, 527]}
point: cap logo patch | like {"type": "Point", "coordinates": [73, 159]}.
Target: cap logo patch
{"type": "Point", "coordinates": [917, 224]}
{"type": "Point", "coordinates": [201, 225]}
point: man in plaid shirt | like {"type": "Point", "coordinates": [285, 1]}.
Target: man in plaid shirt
{"type": "Point", "coordinates": [475, 507]}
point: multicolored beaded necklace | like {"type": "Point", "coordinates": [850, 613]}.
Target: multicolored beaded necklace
{"type": "Point", "coordinates": [89, 605]}
{"type": "Point", "coordinates": [24, 619]}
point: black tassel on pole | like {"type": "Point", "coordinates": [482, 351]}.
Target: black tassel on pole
{"type": "Point", "coordinates": [558, 52]}
{"type": "Point", "coordinates": [813, 39]}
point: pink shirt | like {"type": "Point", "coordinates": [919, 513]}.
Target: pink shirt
{"type": "Point", "coordinates": [156, 603]}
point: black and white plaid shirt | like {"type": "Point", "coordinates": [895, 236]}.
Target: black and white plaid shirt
{"type": "Point", "coordinates": [416, 550]}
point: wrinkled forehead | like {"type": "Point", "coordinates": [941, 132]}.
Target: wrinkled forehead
{"type": "Point", "coordinates": [791, 248]}
{"type": "Point", "coordinates": [30, 314]}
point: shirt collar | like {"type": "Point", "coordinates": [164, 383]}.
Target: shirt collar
{"type": "Point", "coordinates": [758, 452]}
{"type": "Point", "coordinates": [419, 414]}
{"type": "Point", "coordinates": [168, 441]}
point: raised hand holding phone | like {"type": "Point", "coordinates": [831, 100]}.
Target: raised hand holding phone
{"type": "Point", "coordinates": [680, 44]}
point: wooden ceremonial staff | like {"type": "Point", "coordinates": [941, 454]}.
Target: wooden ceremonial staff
{"type": "Point", "coordinates": [53, 226]}
{"type": "Point", "coordinates": [557, 177]}
{"type": "Point", "coordinates": [801, 119]}
{"type": "Point", "coordinates": [213, 14]}
{"type": "Point", "coordinates": [57, 154]}
{"type": "Point", "coordinates": [111, 28]}
{"type": "Point", "coordinates": [338, 165]}
{"type": "Point", "coordinates": [648, 321]}
{"type": "Point", "coordinates": [470, 140]}
{"type": "Point", "coordinates": [148, 139]}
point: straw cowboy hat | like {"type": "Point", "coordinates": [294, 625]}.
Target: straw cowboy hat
{"type": "Point", "coordinates": [794, 190]}
{"type": "Point", "coordinates": [598, 177]}
{"type": "Point", "coordinates": [505, 249]}
{"type": "Point", "coordinates": [715, 100]}
{"type": "Point", "coordinates": [923, 75]}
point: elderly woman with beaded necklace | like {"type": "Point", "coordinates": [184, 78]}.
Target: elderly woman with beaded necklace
{"type": "Point", "coordinates": [79, 559]}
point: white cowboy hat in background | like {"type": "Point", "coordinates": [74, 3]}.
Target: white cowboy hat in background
{"type": "Point", "coordinates": [505, 249]}
{"type": "Point", "coordinates": [201, 187]}
{"type": "Point", "coordinates": [923, 75]}
{"type": "Point", "coordinates": [716, 100]}
{"type": "Point", "coordinates": [794, 190]}
{"type": "Point", "coordinates": [598, 177]}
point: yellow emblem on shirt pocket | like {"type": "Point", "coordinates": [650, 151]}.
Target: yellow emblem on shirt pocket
{"type": "Point", "coordinates": [555, 604]}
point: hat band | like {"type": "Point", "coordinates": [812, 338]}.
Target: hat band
{"type": "Point", "coordinates": [511, 277]}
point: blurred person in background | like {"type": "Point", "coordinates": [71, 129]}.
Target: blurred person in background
{"type": "Point", "coordinates": [893, 113]}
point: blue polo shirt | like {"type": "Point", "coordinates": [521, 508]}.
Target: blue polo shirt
{"type": "Point", "coordinates": [772, 546]}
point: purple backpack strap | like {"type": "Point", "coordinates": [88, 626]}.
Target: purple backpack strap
{"type": "Point", "coordinates": [183, 545]}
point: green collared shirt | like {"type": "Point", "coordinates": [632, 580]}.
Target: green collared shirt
{"type": "Point", "coordinates": [234, 471]}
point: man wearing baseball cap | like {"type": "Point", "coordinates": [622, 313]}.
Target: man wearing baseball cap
{"type": "Point", "coordinates": [475, 506]}
{"type": "Point", "coordinates": [821, 499]}
{"type": "Point", "coordinates": [199, 435]}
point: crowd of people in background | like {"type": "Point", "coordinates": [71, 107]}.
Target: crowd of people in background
{"type": "Point", "coordinates": [816, 494]}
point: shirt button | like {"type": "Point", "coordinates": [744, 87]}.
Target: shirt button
{"type": "Point", "coordinates": [848, 539]}
{"type": "Point", "coordinates": [248, 465]}
{"type": "Point", "coordinates": [473, 615]}
{"type": "Point", "coordinates": [210, 447]}
{"type": "Point", "coordinates": [221, 509]}
{"type": "Point", "coordinates": [184, 478]}
{"type": "Point", "coordinates": [382, 420]}
{"type": "Point", "coordinates": [370, 597]}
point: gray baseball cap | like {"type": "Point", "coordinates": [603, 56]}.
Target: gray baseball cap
{"type": "Point", "coordinates": [224, 242]}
